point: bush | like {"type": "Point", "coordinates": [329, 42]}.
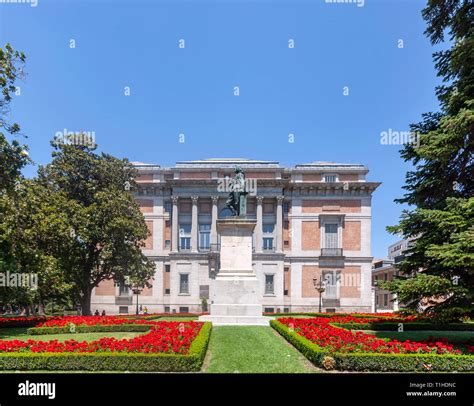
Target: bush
{"type": "Point", "coordinates": [375, 361]}
{"type": "Point", "coordinates": [122, 328]}
{"type": "Point", "coordinates": [112, 361]}
{"type": "Point", "coordinates": [412, 326]}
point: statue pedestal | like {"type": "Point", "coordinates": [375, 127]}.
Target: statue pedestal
{"type": "Point", "coordinates": [236, 296]}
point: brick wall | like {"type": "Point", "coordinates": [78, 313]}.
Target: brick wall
{"type": "Point", "coordinates": [146, 205]}
{"type": "Point", "coordinates": [350, 282]}
{"type": "Point", "coordinates": [351, 236]}
{"type": "Point", "coordinates": [308, 273]}
{"type": "Point", "coordinates": [320, 206]}
{"type": "Point", "coordinates": [149, 240]}
{"type": "Point", "coordinates": [105, 288]}
{"type": "Point", "coordinates": [310, 235]}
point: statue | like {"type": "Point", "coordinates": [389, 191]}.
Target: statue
{"type": "Point", "coordinates": [237, 200]}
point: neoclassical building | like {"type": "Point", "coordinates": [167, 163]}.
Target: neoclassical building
{"type": "Point", "coordinates": [313, 227]}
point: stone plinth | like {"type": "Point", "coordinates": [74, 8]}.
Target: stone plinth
{"type": "Point", "coordinates": [236, 296]}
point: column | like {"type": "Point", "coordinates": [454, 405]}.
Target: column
{"type": "Point", "coordinates": [279, 224]}
{"type": "Point", "coordinates": [259, 226]}
{"type": "Point", "coordinates": [194, 224]}
{"type": "Point", "coordinates": [215, 200]}
{"type": "Point", "coordinates": [174, 224]}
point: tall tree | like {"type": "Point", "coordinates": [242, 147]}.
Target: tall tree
{"type": "Point", "coordinates": [438, 271]}
{"type": "Point", "coordinates": [13, 156]}
{"type": "Point", "coordinates": [89, 221]}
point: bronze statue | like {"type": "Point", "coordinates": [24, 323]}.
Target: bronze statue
{"type": "Point", "coordinates": [237, 200]}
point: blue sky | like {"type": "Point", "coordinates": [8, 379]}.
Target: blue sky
{"type": "Point", "coordinates": [191, 91]}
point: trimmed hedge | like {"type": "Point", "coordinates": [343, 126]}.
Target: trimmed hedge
{"type": "Point", "coordinates": [375, 316]}
{"type": "Point", "coordinates": [112, 361]}
{"type": "Point", "coordinates": [364, 362]}
{"type": "Point", "coordinates": [122, 328]}
{"type": "Point", "coordinates": [415, 326]}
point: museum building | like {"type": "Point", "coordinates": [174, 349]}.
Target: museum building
{"type": "Point", "coordinates": [313, 229]}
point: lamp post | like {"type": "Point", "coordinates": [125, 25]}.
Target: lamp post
{"type": "Point", "coordinates": [319, 286]}
{"type": "Point", "coordinates": [137, 291]}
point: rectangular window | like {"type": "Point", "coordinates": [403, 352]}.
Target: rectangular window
{"type": "Point", "coordinates": [204, 236]}
{"type": "Point", "coordinates": [331, 282]}
{"type": "Point", "coordinates": [330, 178]}
{"type": "Point", "coordinates": [184, 309]}
{"type": "Point", "coordinates": [167, 268]}
{"type": "Point", "coordinates": [385, 299]}
{"type": "Point", "coordinates": [123, 289]}
{"type": "Point", "coordinates": [269, 284]}
{"type": "Point", "coordinates": [268, 243]}
{"type": "Point", "coordinates": [168, 207]}
{"type": "Point", "coordinates": [167, 309]}
{"type": "Point", "coordinates": [330, 235]}
{"type": "Point", "coordinates": [269, 310]}
{"type": "Point", "coordinates": [185, 237]}
{"type": "Point", "coordinates": [184, 283]}
{"type": "Point", "coordinates": [286, 207]}
{"type": "Point", "coordinates": [123, 309]}
{"type": "Point", "coordinates": [268, 230]}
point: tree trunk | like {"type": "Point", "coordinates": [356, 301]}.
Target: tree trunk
{"type": "Point", "coordinates": [86, 302]}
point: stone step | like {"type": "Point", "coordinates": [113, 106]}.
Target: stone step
{"type": "Point", "coordinates": [237, 320]}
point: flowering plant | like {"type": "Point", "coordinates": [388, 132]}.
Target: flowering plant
{"type": "Point", "coordinates": [164, 337]}
{"type": "Point", "coordinates": [320, 331]}
{"type": "Point", "coordinates": [63, 321]}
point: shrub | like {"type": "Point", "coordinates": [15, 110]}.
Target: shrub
{"type": "Point", "coordinates": [112, 361]}
{"type": "Point", "coordinates": [375, 361]}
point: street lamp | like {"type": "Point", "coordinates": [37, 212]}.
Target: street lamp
{"type": "Point", "coordinates": [319, 286]}
{"type": "Point", "coordinates": [137, 291]}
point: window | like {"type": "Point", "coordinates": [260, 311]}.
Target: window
{"type": "Point", "coordinates": [185, 237]}
{"type": "Point", "coordinates": [167, 268]}
{"type": "Point", "coordinates": [330, 235]}
{"type": "Point", "coordinates": [286, 310]}
{"type": "Point", "coordinates": [385, 276]}
{"type": "Point", "coordinates": [269, 284]}
{"type": "Point", "coordinates": [184, 283]}
{"type": "Point", "coordinates": [269, 310]}
{"type": "Point", "coordinates": [167, 291]}
{"type": "Point", "coordinates": [123, 289]}
{"type": "Point", "coordinates": [331, 284]}
{"type": "Point", "coordinates": [168, 207]}
{"type": "Point", "coordinates": [123, 309]}
{"type": "Point", "coordinates": [286, 207]}
{"type": "Point", "coordinates": [330, 178]}
{"type": "Point", "coordinates": [167, 309]}
{"type": "Point", "coordinates": [268, 230]}
{"type": "Point", "coordinates": [204, 236]}
{"type": "Point", "coordinates": [184, 309]}
{"type": "Point", "coordinates": [385, 299]}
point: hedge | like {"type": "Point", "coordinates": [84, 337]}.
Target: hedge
{"type": "Point", "coordinates": [411, 326]}
{"type": "Point", "coordinates": [112, 361]}
{"type": "Point", "coordinates": [364, 316]}
{"type": "Point", "coordinates": [122, 328]}
{"type": "Point", "coordinates": [364, 362]}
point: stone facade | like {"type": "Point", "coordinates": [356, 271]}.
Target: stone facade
{"type": "Point", "coordinates": [312, 221]}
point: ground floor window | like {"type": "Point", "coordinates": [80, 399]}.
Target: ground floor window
{"type": "Point", "coordinates": [184, 283]}
{"type": "Point", "coordinates": [123, 309]}
{"type": "Point", "coordinates": [269, 284]}
{"type": "Point", "coordinates": [184, 309]}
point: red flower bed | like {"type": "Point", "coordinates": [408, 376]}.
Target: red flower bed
{"type": "Point", "coordinates": [63, 321]}
{"type": "Point", "coordinates": [164, 337]}
{"type": "Point", "coordinates": [335, 339]}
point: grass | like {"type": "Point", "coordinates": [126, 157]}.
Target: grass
{"type": "Point", "coordinates": [252, 349]}
{"type": "Point", "coordinates": [19, 333]}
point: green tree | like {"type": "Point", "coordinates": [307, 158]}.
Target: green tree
{"type": "Point", "coordinates": [439, 268]}
{"type": "Point", "coordinates": [13, 156]}
{"type": "Point", "coordinates": [89, 220]}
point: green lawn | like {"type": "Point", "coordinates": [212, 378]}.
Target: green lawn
{"type": "Point", "coordinates": [452, 336]}
{"type": "Point", "coordinates": [21, 334]}
{"type": "Point", "coordinates": [252, 349]}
